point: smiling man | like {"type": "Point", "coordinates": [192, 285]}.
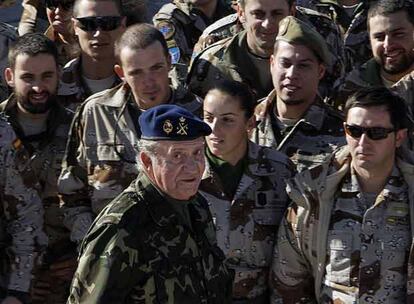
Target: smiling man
{"type": "Point", "coordinates": [155, 243]}
{"type": "Point", "coordinates": [347, 237]}
{"type": "Point", "coordinates": [100, 159]}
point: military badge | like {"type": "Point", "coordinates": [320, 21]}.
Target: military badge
{"type": "Point", "coordinates": [183, 127]}
{"type": "Point", "coordinates": [167, 127]}
{"type": "Point", "coordinates": [167, 29]}
{"type": "Point", "coordinates": [175, 55]}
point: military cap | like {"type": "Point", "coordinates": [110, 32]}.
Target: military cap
{"type": "Point", "coordinates": [171, 122]}
{"type": "Point", "coordinates": [293, 30]}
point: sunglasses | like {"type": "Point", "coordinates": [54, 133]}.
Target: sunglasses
{"type": "Point", "coordinates": [374, 133]}
{"type": "Point", "coordinates": [53, 4]}
{"type": "Point", "coordinates": [104, 23]}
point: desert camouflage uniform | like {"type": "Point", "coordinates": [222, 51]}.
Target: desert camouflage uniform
{"type": "Point", "coordinates": [355, 37]}
{"type": "Point", "coordinates": [246, 224]}
{"type": "Point", "coordinates": [336, 246]}
{"type": "Point", "coordinates": [22, 239]}
{"type": "Point", "coordinates": [140, 250]}
{"type": "Point", "coordinates": [8, 35]}
{"type": "Point", "coordinates": [100, 157]}
{"type": "Point", "coordinates": [182, 25]}
{"type": "Point", "coordinates": [72, 89]}
{"type": "Point", "coordinates": [310, 141]}
{"type": "Point", "coordinates": [224, 61]}
{"type": "Point", "coordinates": [40, 156]}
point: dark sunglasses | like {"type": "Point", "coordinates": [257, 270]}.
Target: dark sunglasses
{"type": "Point", "coordinates": [104, 23]}
{"type": "Point", "coordinates": [53, 4]}
{"type": "Point", "coordinates": [374, 133]}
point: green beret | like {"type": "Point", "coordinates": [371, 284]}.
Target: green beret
{"type": "Point", "coordinates": [293, 30]}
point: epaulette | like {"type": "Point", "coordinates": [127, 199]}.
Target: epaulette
{"type": "Point", "coordinates": [215, 48]}
{"type": "Point", "coordinates": [219, 24]}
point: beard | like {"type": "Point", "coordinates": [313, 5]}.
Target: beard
{"type": "Point", "coordinates": [35, 108]}
{"type": "Point", "coordinates": [404, 64]}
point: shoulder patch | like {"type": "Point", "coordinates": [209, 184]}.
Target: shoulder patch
{"type": "Point", "coordinates": [167, 29]}
{"type": "Point", "coordinates": [175, 54]}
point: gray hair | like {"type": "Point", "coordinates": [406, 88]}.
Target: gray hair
{"type": "Point", "coordinates": [149, 147]}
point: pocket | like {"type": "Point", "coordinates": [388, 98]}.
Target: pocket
{"type": "Point", "coordinates": [339, 250]}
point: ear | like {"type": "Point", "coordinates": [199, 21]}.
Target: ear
{"type": "Point", "coordinates": [241, 14]}
{"type": "Point", "coordinates": [9, 77]}
{"type": "Point", "coordinates": [293, 9]}
{"type": "Point", "coordinates": [400, 137]}
{"type": "Point", "coordinates": [321, 71]}
{"type": "Point", "coordinates": [75, 29]}
{"type": "Point", "coordinates": [146, 162]}
{"type": "Point", "coordinates": [119, 71]}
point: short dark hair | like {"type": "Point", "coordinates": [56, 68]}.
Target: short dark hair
{"type": "Point", "coordinates": [381, 97]}
{"type": "Point", "coordinates": [242, 3]}
{"type": "Point", "coordinates": [387, 7]}
{"type": "Point", "coordinates": [116, 2]}
{"type": "Point", "coordinates": [140, 36]}
{"type": "Point", "coordinates": [240, 91]}
{"type": "Point", "coordinates": [317, 55]}
{"type": "Point", "coordinates": [32, 44]}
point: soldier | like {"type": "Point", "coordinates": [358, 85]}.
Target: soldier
{"type": "Point", "coordinates": [22, 239]}
{"type": "Point", "coordinates": [293, 118]}
{"type": "Point", "coordinates": [8, 35]}
{"type": "Point", "coordinates": [244, 185]}
{"type": "Point", "coordinates": [41, 125]}
{"type": "Point", "coordinates": [347, 237]}
{"type": "Point", "coordinates": [391, 32]}
{"type": "Point", "coordinates": [351, 17]}
{"type": "Point", "coordinates": [97, 24]}
{"type": "Point", "coordinates": [101, 153]}
{"type": "Point", "coordinates": [182, 23]}
{"type": "Point", "coordinates": [155, 242]}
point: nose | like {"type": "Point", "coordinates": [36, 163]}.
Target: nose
{"type": "Point", "coordinates": [214, 125]}
{"type": "Point", "coordinates": [363, 139]}
{"type": "Point", "coordinates": [291, 71]}
{"type": "Point", "coordinates": [37, 86]}
{"type": "Point", "coordinates": [191, 163]}
{"type": "Point", "coordinates": [97, 32]}
{"type": "Point", "coordinates": [267, 22]}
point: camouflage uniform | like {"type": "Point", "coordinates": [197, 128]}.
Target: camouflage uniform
{"type": "Point", "coordinates": [8, 35]}
{"type": "Point", "coordinates": [140, 251]}
{"type": "Point", "coordinates": [182, 25]}
{"type": "Point", "coordinates": [40, 156]}
{"type": "Point", "coordinates": [309, 141]}
{"type": "Point", "coordinates": [337, 245]}
{"type": "Point", "coordinates": [101, 152]}
{"type": "Point", "coordinates": [405, 89]}
{"type": "Point", "coordinates": [21, 218]}
{"type": "Point", "coordinates": [246, 224]}
{"type": "Point", "coordinates": [230, 26]}
{"type": "Point", "coordinates": [355, 37]}
{"type": "Point", "coordinates": [72, 89]}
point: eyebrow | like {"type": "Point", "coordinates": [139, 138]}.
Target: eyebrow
{"type": "Point", "coordinates": [223, 114]}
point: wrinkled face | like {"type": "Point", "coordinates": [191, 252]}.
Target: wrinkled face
{"type": "Point", "coordinates": [296, 72]}
{"type": "Point", "coordinates": [392, 42]}
{"type": "Point", "coordinates": [146, 72]}
{"type": "Point", "coordinates": [177, 167]}
{"type": "Point", "coordinates": [34, 81]}
{"type": "Point", "coordinates": [60, 17]}
{"type": "Point", "coordinates": [369, 154]}
{"type": "Point", "coordinates": [229, 125]}
{"type": "Point", "coordinates": [261, 20]}
{"type": "Point", "coordinates": [98, 44]}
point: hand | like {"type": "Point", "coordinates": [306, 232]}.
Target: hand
{"type": "Point", "coordinates": [11, 300]}
{"type": "Point", "coordinates": [63, 270]}
{"type": "Point", "coordinates": [40, 291]}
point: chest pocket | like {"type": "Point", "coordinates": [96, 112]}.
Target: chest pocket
{"type": "Point", "coordinates": [339, 250]}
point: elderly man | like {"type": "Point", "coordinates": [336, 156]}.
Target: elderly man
{"type": "Point", "coordinates": [293, 118]}
{"type": "Point", "coordinates": [156, 241]}
{"type": "Point", "coordinates": [100, 158]}
{"type": "Point", "coordinates": [347, 237]}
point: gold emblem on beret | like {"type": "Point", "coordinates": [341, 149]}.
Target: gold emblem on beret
{"type": "Point", "coordinates": [183, 127]}
{"type": "Point", "coordinates": [167, 127]}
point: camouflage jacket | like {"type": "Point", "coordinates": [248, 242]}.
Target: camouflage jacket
{"type": "Point", "coordinates": [355, 37]}
{"type": "Point", "coordinates": [72, 89]}
{"type": "Point", "coordinates": [300, 273]}
{"type": "Point", "coordinates": [231, 25]}
{"type": "Point", "coordinates": [182, 25]}
{"type": "Point", "coordinates": [21, 215]}
{"type": "Point", "coordinates": [405, 89]}
{"type": "Point", "coordinates": [41, 156]}
{"type": "Point", "coordinates": [100, 156]}
{"type": "Point", "coordinates": [309, 142]}
{"type": "Point", "coordinates": [246, 224]}
{"type": "Point", "coordinates": [8, 35]}
{"type": "Point", "coordinates": [140, 251]}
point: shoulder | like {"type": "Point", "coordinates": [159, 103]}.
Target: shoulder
{"type": "Point", "coordinates": [183, 97]}
{"type": "Point", "coordinates": [114, 97]}
{"type": "Point", "coordinates": [224, 22]}
{"type": "Point", "coordinates": [171, 12]}
{"type": "Point", "coordinates": [268, 158]}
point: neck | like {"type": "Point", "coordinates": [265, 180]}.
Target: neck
{"type": "Point", "coordinates": [291, 111]}
{"type": "Point", "coordinates": [396, 77]}
{"type": "Point", "coordinates": [94, 69]}
{"type": "Point", "coordinates": [236, 155]}
{"type": "Point", "coordinates": [31, 123]}
{"type": "Point", "coordinates": [209, 8]}
{"type": "Point", "coordinates": [254, 49]}
{"type": "Point", "coordinates": [373, 181]}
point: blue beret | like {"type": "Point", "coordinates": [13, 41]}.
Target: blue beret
{"type": "Point", "coordinates": [171, 122]}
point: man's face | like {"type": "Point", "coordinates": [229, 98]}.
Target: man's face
{"type": "Point", "coordinates": [97, 44]}
{"type": "Point", "coordinates": [368, 154]}
{"type": "Point", "coordinates": [392, 42]}
{"type": "Point", "coordinates": [296, 72]}
{"type": "Point", "coordinates": [261, 20]}
{"type": "Point", "coordinates": [34, 81]}
{"type": "Point", "coordinates": [146, 72]}
{"type": "Point", "coordinates": [59, 15]}
{"type": "Point", "coordinates": [177, 167]}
